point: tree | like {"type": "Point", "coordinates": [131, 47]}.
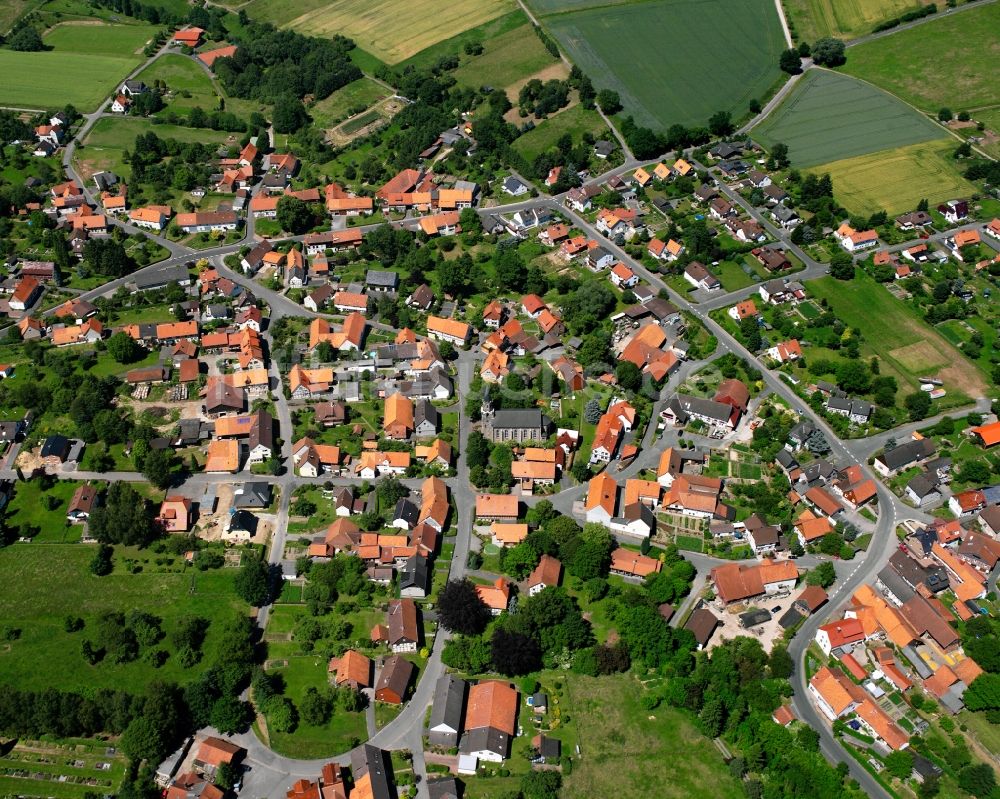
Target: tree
{"type": "Point", "coordinates": [750, 331]}
{"type": "Point", "coordinates": [944, 115]}
{"type": "Point", "coordinates": [984, 693]}
{"type": "Point", "coordinates": [289, 114]}
{"type": "Point", "coordinates": [829, 52]}
{"type": "Point", "coordinates": [592, 411]}
{"type": "Point", "coordinates": [721, 123]}
{"type": "Point", "coordinates": [294, 215]}
{"type": "Point", "coordinates": [917, 405]}
{"type": "Point", "coordinates": [593, 556]}
{"type": "Point", "coordinates": [899, 764]}
{"type": "Point", "coordinates": [253, 582]}
{"type": "Point", "coordinates": [977, 779]}
{"type": "Point", "coordinates": [124, 349]}
{"type": "Point", "coordinates": [780, 663]}
{"type": "Point", "coordinates": [629, 376]}
{"type": "Point", "coordinates": [281, 714]}
{"type": "Point", "coordinates": [390, 491]}
{"type": "Point", "coordinates": [143, 740]}
{"type": "Point", "coordinates": [156, 468]}
{"type": "Point", "coordinates": [541, 785]}
{"type": "Point", "coordinates": [461, 610]}
{"type": "Point", "coordinates": [842, 266]}
{"type": "Point", "coordinates": [25, 39]}
{"type": "Point", "coordinates": [514, 653]}
{"type": "Point", "coordinates": [790, 62]}
{"type": "Point", "coordinates": [609, 101]}
{"type": "Point", "coordinates": [124, 518]}
{"type": "Point", "coordinates": [316, 706]}
{"type": "Point", "coordinates": [231, 715]}
{"type": "Point", "coordinates": [823, 575]}
{"type": "Point", "coordinates": [101, 564]}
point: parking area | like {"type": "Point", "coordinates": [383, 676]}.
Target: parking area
{"type": "Point", "coordinates": [766, 630]}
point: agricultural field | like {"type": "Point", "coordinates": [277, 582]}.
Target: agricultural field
{"type": "Point", "coordinates": [844, 19]}
{"type": "Point", "coordinates": [392, 30]}
{"type": "Point", "coordinates": [829, 117]}
{"type": "Point", "coordinates": [11, 11]}
{"type": "Point", "coordinates": [907, 346]}
{"type": "Point", "coordinates": [896, 180]}
{"type": "Point", "coordinates": [962, 73]}
{"type": "Point", "coordinates": [509, 59]}
{"type": "Point", "coordinates": [631, 752]}
{"type": "Point", "coordinates": [481, 34]}
{"type": "Point", "coordinates": [45, 581]}
{"type": "Point", "coordinates": [104, 53]}
{"type": "Point", "coordinates": [574, 121]}
{"type": "Point", "coordinates": [675, 61]}
{"type": "Point", "coordinates": [351, 99]}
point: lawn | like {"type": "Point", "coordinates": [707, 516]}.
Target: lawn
{"type": "Point", "coordinates": [575, 121]}
{"type": "Point", "coordinates": [893, 332]}
{"type": "Point", "coordinates": [676, 61]}
{"type": "Point", "coordinates": [732, 276]}
{"type": "Point", "coordinates": [629, 752]}
{"type": "Point", "coordinates": [896, 180]}
{"type": "Point", "coordinates": [44, 582]}
{"type": "Point", "coordinates": [962, 73]}
{"type": "Point", "coordinates": [351, 99]}
{"type": "Point", "coordinates": [392, 30]}
{"type": "Point", "coordinates": [344, 730]}
{"type": "Point", "coordinates": [845, 19]}
{"type": "Point", "coordinates": [829, 117]}
{"type": "Point", "coordinates": [506, 59]}
{"type": "Point", "coordinates": [28, 507]}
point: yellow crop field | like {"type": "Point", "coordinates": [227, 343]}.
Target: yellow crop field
{"type": "Point", "coordinates": [896, 180]}
{"type": "Point", "coordinates": [393, 30]}
{"type": "Point", "coordinates": [845, 19]}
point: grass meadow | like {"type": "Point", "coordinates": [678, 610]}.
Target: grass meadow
{"type": "Point", "coordinates": [960, 75]}
{"type": "Point", "coordinates": [630, 752]}
{"type": "Point", "coordinates": [507, 59]}
{"type": "Point", "coordinates": [574, 121]}
{"type": "Point", "coordinates": [907, 346]}
{"type": "Point", "coordinates": [897, 179]}
{"type": "Point", "coordinates": [351, 99]}
{"type": "Point", "coordinates": [845, 19]}
{"type": "Point", "coordinates": [44, 582]}
{"type": "Point", "coordinates": [392, 30]}
{"type": "Point", "coordinates": [829, 117]}
{"type": "Point", "coordinates": [482, 34]}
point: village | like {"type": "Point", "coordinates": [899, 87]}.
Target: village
{"type": "Point", "coordinates": [456, 446]}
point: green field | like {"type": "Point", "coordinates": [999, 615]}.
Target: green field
{"type": "Point", "coordinates": [675, 61]}
{"type": "Point", "coordinates": [907, 345]}
{"type": "Point", "coordinates": [392, 30]}
{"type": "Point", "coordinates": [845, 19]}
{"type": "Point", "coordinates": [119, 41]}
{"type": "Point", "coordinates": [961, 74]}
{"type": "Point", "coordinates": [632, 753]}
{"type": "Point", "coordinates": [44, 582]}
{"type": "Point", "coordinates": [342, 103]}
{"type": "Point", "coordinates": [182, 76]}
{"type": "Point", "coordinates": [896, 180]}
{"type": "Point", "coordinates": [507, 59]}
{"type": "Point", "coordinates": [111, 136]}
{"type": "Point", "coordinates": [575, 121]}
{"type": "Point", "coordinates": [42, 80]}
{"type": "Point", "coordinates": [11, 10]}
{"type": "Point", "coordinates": [829, 117]}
